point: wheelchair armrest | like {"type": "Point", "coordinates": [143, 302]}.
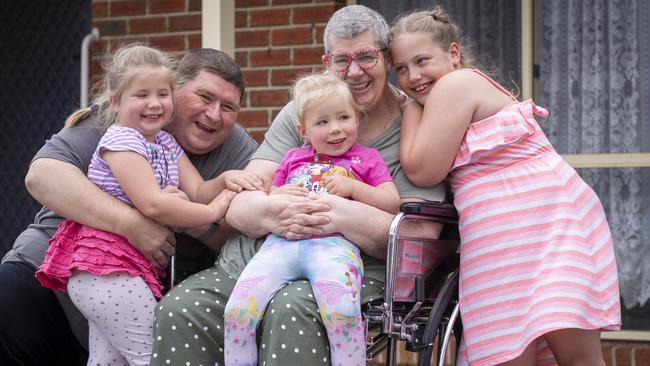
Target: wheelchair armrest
{"type": "Point", "coordinates": [439, 211]}
{"type": "Point", "coordinates": [416, 272]}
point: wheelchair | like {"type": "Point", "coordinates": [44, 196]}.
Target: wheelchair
{"type": "Point", "coordinates": [420, 305]}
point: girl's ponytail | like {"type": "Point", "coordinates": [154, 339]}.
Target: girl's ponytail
{"type": "Point", "coordinates": [81, 114]}
{"type": "Point", "coordinates": [77, 116]}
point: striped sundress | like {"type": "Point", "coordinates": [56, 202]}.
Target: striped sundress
{"type": "Point", "coordinates": [536, 250]}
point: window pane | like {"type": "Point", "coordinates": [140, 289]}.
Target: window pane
{"type": "Point", "coordinates": [625, 194]}
{"type": "Point", "coordinates": [594, 72]}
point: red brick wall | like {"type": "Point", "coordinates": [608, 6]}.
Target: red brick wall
{"type": "Point", "coordinates": [172, 25]}
{"type": "Point", "coordinates": [275, 40]}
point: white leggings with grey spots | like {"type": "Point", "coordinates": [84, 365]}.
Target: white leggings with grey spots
{"type": "Point", "coordinates": [120, 313]}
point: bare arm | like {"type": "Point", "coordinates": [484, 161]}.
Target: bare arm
{"type": "Point", "coordinates": [204, 191]}
{"type": "Point", "coordinates": [73, 196]}
{"type": "Point", "coordinates": [211, 235]}
{"type": "Point", "coordinates": [430, 138]}
{"type": "Point", "coordinates": [235, 180]}
{"type": "Point", "coordinates": [136, 178]}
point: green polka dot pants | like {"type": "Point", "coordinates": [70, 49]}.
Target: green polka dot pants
{"type": "Point", "coordinates": [189, 323]}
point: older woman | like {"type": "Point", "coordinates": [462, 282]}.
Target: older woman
{"type": "Point", "coordinates": [189, 327]}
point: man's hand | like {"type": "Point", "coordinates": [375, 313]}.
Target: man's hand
{"type": "Point", "coordinates": [340, 185]}
{"type": "Point", "coordinates": [157, 243]}
{"type": "Point", "coordinates": [239, 180]}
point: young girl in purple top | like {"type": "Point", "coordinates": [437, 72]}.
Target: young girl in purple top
{"type": "Point", "coordinates": [111, 282]}
{"type": "Point", "coordinates": [332, 164]}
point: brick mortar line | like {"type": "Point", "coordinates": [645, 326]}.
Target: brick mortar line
{"type": "Point", "coordinates": [271, 27]}
{"type": "Point", "coordinates": [253, 48]}
{"type": "Point", "coordinates": [102, 57]}
{"type": "Point", "coordinates": [145, 16]}
{"type": "Point", "coordinates": [162, 34]}
{"type": "Point", "coordinates": [277, 48]}
{"type": "Point", "coordinates": [284, 6]}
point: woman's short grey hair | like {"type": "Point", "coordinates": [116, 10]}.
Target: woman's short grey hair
{"type": "Point", "coordinates": [350, 21]}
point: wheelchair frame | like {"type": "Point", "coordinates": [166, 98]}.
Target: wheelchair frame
{"type": "Point", "coordinates": [430, 316]}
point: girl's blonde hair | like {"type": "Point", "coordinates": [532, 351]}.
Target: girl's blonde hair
{"type": "Point", "coordinates": [128, 61]}
{"type": "Point", "coordinates": [443, 32]}
{"type": "Point", "coordinates": [312, 89]}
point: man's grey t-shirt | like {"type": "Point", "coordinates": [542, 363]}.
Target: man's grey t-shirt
{"type": "Point", "coordinates": [284, 135]}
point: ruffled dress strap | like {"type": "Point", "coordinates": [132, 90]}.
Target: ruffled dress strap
{"type": "Point", "coordinates": [529, 110]}
{"type": "Point", "coordinates": [513, 123]}
{"type": "Point", "coordinates": [528, 107]}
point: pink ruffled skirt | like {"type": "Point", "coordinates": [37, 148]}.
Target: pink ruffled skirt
{"type": "Point", "coordinates": [78, 247]}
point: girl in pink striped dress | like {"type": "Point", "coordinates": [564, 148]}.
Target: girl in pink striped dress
{"type": "Point", "coordinates": [538, 274]}
{"type": "Point", "coordinates": [111, 283]}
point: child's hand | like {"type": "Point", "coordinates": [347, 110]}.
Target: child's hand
{"type": "Point", "coordinates": [340, 185]}
{"type": "Point", "coordinates": [221, 203]}
{"type": "Point", "coordinates": [291, 189]}
{"type": "Point", "coordinates": [239, 180]}
{"type": "Point", "coordinates": [406, 102]}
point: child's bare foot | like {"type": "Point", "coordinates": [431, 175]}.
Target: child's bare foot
{"type": "Point", "coordinates": [221, 202]}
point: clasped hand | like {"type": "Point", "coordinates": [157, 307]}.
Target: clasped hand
{"type": "Point", "coordinates": [295, 214]}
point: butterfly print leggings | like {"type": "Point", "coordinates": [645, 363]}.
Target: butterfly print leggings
{"type": "Point", "coordinates": [334, 269]}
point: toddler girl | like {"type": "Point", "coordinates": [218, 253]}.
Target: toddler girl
{"type": "Point", "coordinates": [332, 164]}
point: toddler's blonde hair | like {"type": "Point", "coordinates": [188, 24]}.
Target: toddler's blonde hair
{"type": "Point", "coordinates": [312, 89]}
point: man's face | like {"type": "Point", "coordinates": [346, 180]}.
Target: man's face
{"type": "Point", "coordinates": [205, 109]}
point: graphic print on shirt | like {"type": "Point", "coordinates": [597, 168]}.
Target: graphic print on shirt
{"type": "Point", "coordinates": [161, 157]}
{"type": "Point", "coordinates": [312, 175]}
